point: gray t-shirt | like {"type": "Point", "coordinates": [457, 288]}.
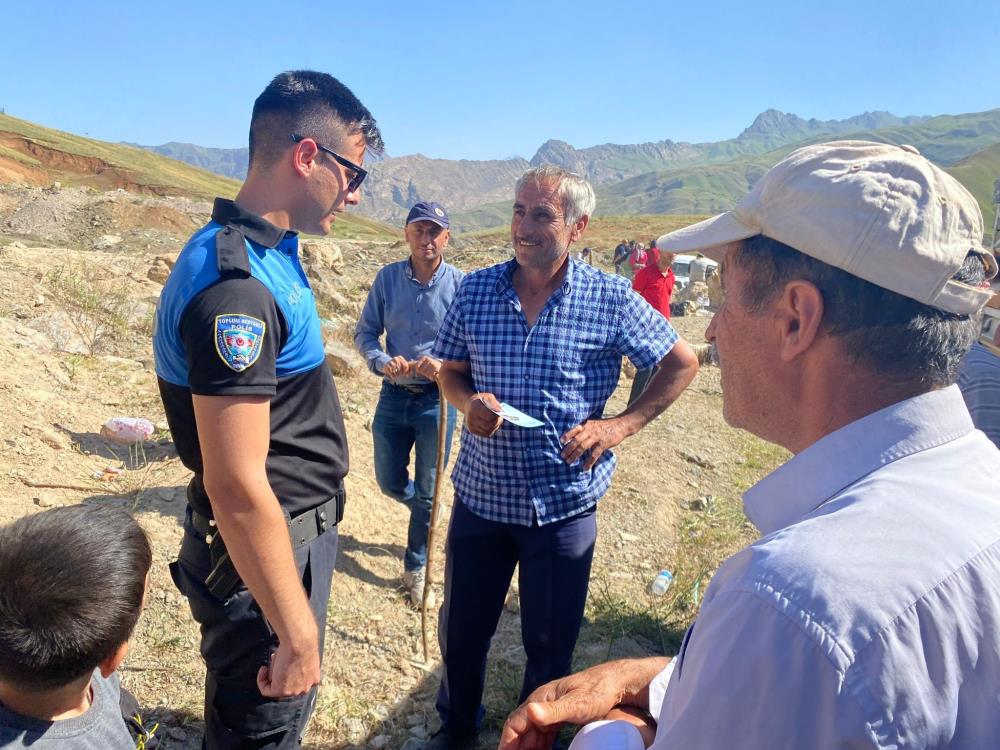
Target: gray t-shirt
{"type": "Point", "coordinates": [101, 727]}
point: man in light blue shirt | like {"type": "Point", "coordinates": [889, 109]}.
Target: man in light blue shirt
{"type": "Point", "coordinates": [868, 613]}
{"type": "Point", "coordinates": [407, 301]}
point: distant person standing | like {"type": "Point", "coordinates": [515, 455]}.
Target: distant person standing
{"type": "Point", "coordinates": [638, 259]}
{"type": "Point", "coordinates": [407, 301]}
{"type": "Point", "coordinates": [586, 256]}
{"type": "Point", "coordinates": [655, 284]}
{"type": "Point", "coordinates": [621, 255]}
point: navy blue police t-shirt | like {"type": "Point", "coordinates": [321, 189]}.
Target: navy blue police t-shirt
{"type": "Point", "coordinates": [237, 317]}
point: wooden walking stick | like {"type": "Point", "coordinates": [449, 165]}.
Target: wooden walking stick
{"type": "Point", "coordinates": [442, 437]}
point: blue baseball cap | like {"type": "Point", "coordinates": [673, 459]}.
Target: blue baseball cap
{"type": "Point", "coordinates": [425, 211]}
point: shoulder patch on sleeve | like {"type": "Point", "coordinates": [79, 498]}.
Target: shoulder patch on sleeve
{"type": "Point", "coordinates": [238, 340]}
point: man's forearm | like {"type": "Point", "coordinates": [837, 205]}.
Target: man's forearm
{"type": "Point", "coordinates": [457, 387]}
{"type": "Point", "coordinates": [675, 373]}
{"type": "Point", "coordinates": [256, 535]}
{"type": "Point", "coordinates": [637, 674]}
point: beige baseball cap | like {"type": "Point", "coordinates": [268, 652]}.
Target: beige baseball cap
{"type": "Point", "coordinates": [881, 212]}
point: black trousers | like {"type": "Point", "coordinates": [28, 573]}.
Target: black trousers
{"type": "Point", "coordinates": [235, 642]}
{"type": "Point", "coordinates": [553, 578]}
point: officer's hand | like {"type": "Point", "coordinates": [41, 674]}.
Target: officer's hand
{"type": "Point", "coordinates": [427, 366]}
{"type": "Point", "coordinates": [395, 367]}
{"type": "Point", "coordinates": [292, 671]}
{"type": "Point", "coordinates": [590, 439]}
{"type": "Point", "coordinates": [479, 418]}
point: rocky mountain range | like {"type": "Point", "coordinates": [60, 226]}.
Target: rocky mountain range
{"type": "Point", "coordinates": [658, 177]}
{"type": "Point", "coordinates": [229, 162]}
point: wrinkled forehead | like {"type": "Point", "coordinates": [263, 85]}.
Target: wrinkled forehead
{"type": "Point", "coordinates": [535, 193]}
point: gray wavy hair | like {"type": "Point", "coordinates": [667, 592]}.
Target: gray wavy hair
{"type": "Point", "coordinates": [577, 195]}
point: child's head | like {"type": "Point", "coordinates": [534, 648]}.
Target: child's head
{"type": "Point", "coordinates": [72, 582]}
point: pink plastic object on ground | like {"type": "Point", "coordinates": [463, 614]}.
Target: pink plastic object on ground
{"type": "Point", "coordinates": [127, 430]}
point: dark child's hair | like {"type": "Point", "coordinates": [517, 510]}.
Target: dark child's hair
{"type": "Point", "coordinates": [72, 582]}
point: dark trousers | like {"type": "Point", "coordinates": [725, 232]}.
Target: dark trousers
{"type": "Point", "coordinates": [554, 574]}
{"type": "Point", "coordinates": [235, 642]}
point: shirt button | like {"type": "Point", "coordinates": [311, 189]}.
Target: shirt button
{"type": "Point", "coordinates": [526, 377]}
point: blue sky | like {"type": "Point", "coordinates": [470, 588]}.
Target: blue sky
{"type": "Point", "coordinates": [455, 80]}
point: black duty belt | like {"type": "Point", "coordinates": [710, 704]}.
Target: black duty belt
{"type": "Point", "coordinates": [415, 388]}
{"type": "Point", "coordinates": [302, 528]}
{"type": "Point", "coordinates": [223, 580]}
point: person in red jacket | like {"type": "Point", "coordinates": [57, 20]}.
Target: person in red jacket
{"type": "Point", "coordinates": [639, 258]}
{"type": "Point", "coordinates": [655, 283]}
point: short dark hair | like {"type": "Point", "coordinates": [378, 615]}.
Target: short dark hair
{"type": "Point", "coordinates": [893, 336]}
{"type": "Point", "coordinates": [310, 104]}
{"type": "Point", "coordinates": [72, 582]}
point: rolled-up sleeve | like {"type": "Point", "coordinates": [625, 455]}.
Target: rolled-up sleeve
{"type": "Point", "coordinates": [644, 335]}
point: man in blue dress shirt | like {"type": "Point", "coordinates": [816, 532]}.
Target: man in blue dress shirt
{"type": "Point", "coordinates": [543, 333]}
{"type": "Point", "coordinates": [407, 301]}
{"type": "Point", "coordinates": [868, 613]}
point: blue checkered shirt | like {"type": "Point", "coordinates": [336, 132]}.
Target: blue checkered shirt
{"type": "Point", "coordinates": [561, 371]}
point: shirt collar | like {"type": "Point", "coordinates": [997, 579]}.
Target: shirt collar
{"type": "Point", "coordinates": [434, 277]}
{"type": "Point", "coordinates": [843, 457]}
{"type": "Point", "coordinates": [254, 228]}
{"type": "Point", "coordinates": [505, 282]}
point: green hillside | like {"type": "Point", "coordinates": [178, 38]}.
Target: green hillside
{"type": "Point", "coordinates": [59, 153]}
{"type": "Point", "coordinates": [692, 190]}
{"type": "Point", "coordinates": [946, 139]}
{"type": "Point", "coordinates": [971, 143]}
{"type": "Point", "coordinates": [711, 185]}
{"type": "Point", "coordinates": [487, 216]}
{"type": "Point", "coordinates": [34, 154]}
{"type": "Point", "coordinates": [978, 173]}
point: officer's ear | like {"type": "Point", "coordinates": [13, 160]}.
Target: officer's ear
{"type": "Point", "coordinates": [305, 154]}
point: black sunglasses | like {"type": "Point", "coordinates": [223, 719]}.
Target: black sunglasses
{"type": "Point", "coordinates": [359, 172]}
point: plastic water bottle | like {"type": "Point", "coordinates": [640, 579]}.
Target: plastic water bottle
{"type": "Point", "coordinates": [661, 583]}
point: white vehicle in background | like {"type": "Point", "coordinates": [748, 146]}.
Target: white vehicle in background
{"type": "Point", "coordinates": [682, 269]}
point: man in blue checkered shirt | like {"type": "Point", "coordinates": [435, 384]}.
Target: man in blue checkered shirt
{"type": "Point", "coordinates": [545, 334]}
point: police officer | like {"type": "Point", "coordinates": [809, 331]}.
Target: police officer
{"type": "Point", "coordinates": [255, 415]}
